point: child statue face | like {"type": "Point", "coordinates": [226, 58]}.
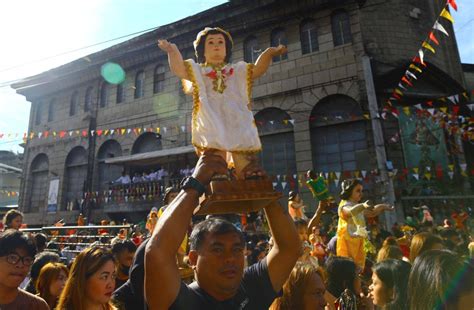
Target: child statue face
{"type": "Point", "coordinates": [356, 194]}
{"type": "Point", "coordinates": [214, 48]}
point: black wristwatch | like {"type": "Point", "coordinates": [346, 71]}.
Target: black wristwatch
{"type": "Point", "coordinates": [190, 182]}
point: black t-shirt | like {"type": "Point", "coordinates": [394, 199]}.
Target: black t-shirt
{"type": "Point", "coordinates": [255, 293]}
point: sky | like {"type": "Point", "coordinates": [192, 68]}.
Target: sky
{"type": "Point", "coordinates": [32, 30]}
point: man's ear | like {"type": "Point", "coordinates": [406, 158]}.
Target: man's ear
{"type": "Point", "coordinates": [193, 256]}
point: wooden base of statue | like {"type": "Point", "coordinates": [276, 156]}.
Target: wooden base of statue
{"type": "Point", "coordinates": [237, 196]}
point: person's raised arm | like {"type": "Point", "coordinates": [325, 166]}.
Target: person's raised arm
{"type": "Point", "coordinates": [287, 245]}
{"type": "Point", "coordinates": [175, 59]}
{"type": "Point", "coordinates": [162, 279]}
{"type": "Point", "coordinates": [378, 209]}
{"type": "Point", "coordinates": [349, 211]}
{"type": "Point", "coordinates": [314, 221]}
{"type": "Point", "coordinates": [265, 59]}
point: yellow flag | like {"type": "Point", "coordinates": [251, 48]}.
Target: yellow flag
{"type": "Point", "coordinates": [445, 13]}
{"type": "Point", "coordinates": [366, 116]}
{"type": "Point", "coordinates": [406, 110]}
{"type": "Point", "coordinates": [428, 175]}
{"type": "Point", "coordinates": [451, 167]}
{"type": "Point", "coordinates": [428, 47]}
{"type": "Point", "coordinates": [415, 170]}
{"type": "Point", "coordinates": [157, 129]}
{"type": "Point", "coordinates": [444, 109]}
{"type": "Point", "coordinates": [412, 66]}
{"type": "Point", "coordinates": [398, 91]}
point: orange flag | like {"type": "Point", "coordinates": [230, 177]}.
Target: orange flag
{"type": "Point", "coordinates": [453, 4]}
{"type": "Point", "coordinates": [433, 38]}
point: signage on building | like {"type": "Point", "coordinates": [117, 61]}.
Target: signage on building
{"type": "Point", "coordinates": [53, 195]}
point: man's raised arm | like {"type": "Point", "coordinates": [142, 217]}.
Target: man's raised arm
{"type": "Point", "coordinates": [287, 246]}
{"type": "Point", "coordinates": [162, 279]}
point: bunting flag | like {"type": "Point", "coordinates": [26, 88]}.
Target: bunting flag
{"type": "Point", "coordinates": [428, 47]}
{"type": "Point", "coordinates": [453, 4]}
{"type": "Point", "coordinates": [445, 13]}
{"type": "Point", "coordinates": [439, 27]}
{"type": "Point", "coordinates": [433, 38]}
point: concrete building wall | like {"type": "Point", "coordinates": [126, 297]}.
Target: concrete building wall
{"type": "Point", "coordinates": [384, 30]}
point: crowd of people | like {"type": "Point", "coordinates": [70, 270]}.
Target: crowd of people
{"type": "Point", "coordinates": [282, 258]}
{"type": "Point", "coordinates": [158, 175]}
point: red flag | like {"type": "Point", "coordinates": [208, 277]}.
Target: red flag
{"type": "Point", "coordinates": [396, 96]}
{"type": "Point", "coordinates": [433, 38]}
{"type": "Point", "coordinates": [430, 103]}
{"type": "Point", "coordinates": [62, 133]}
{"type": "Point", "coordinates": [99, 132]}
{"type": "Point", "coordinates": [453, 4]}
{"type": "Point", "coordinates": [84, 133]}
{"type": "Point", "coordinates": [455, 109]}
{"type": "Point", "coordinates": [404, 79]}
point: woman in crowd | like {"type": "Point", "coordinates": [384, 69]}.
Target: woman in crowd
{"type": "Point", "coordinates": [389, 252]}
{"type": "Point", "coordinates": [91, 281]}
{"type": "Point", "coordinates": [440, 279]}
{"type": "Point", "coordinates": [388, 290]}
{"type": "Point", "coordinates": [342, 281]}
{"type": "Point", "coordinates": [303, 290]}
{"type": "Point", "coordinates": [13, 220]}
{"type": "Point", "coordinates": [51, 282]}
{"type": "Point", "coordinates": [423, 242]}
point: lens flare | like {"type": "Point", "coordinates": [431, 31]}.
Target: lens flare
{"type": "Point", "coordinates": [112, 73]}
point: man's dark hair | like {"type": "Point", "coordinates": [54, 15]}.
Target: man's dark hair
{"type": "Point", "coordinates": [121, 245]}
{"type": "Point", "coordinates": [40, 240]}
{"type": "Point", "coordinates": [40, 261]}
{"type": "Point", "coordinates": [12, 239]}
{"type": "Point", "coordinates": [215, 226]}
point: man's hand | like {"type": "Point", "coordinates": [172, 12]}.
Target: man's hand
{"type": "Point", "coordinates": [167, 46]}
{"type": "Point", "coordinates": [208, 165]}
{"type": "Point", "coordinates": [279, 50]}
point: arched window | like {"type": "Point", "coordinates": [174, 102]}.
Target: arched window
{"type": "Point", "coordinates": [159, 79]}
{"type": "Point", "coordinates": [39, 183]}
{"type": "Point", "coordinates": [39, 111]}
{"type": "Point", "coordinates": [338, 135]}
{"type": "Point", "coordinates": [73, 103]}
{"type": "Point", "coordinates": [75, 177]}
{"type": "Point", "coordinates": [104, 94]}
{"type": "Point", "coordinates": [341, 27]}
{"type": "Point", "coordinates": [279, 37]}
{"type": "Point", "coordinates": [120, 94]}
{"type": "Point", "coordinates": [251, 50]}
{"type": "Point", "coordinates": [107, 173]}
{"type": "Point", "coordinates": [147, 142]}
{"type": "Point", "coordinates": [309, 36]}
{"type": "Point", "coordinates": [51, 110]}
{"type": "Point", "coordinates": [88, 99]}
{"type": "Point", "coordinates": [278, 144]}
{"type": "Point", "coordinates": [139, 84]}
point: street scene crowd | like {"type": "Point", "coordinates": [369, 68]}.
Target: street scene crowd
{"type": "Point", "coordinates": [276, 259]}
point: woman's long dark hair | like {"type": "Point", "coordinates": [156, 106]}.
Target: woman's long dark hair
{"type": "Point", "coordinates": [394, 275]}
{"type": "Point", "coordinates": [341, 273]}
{"type": "Point", "coordinates": [438, 279]}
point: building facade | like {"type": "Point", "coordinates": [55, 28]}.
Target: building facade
{"type": "Point", "coordinates": [312, 107]}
